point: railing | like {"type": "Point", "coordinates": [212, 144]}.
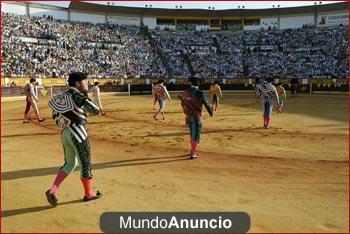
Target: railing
{"type": "Point", "coordinates": [147, 88]}
{"type": "Point", "coordinates": [181, 80]}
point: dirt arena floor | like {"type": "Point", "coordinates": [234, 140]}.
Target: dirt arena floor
{"type": "Point", "coordinates": [292, 177]}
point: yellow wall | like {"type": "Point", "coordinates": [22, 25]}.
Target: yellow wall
{"type": "Point", "coordinates": [18, 81]}
{"type": "Point", "coordinates": [62, 82]}
{"type": "Point", "coordinates": [54, 82]}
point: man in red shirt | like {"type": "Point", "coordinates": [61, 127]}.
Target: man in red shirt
{"type": "Point", "coordinates": [192, 101]}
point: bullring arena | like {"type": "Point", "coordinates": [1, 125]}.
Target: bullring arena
{"type": "Point", "coordinates": [292, 177]}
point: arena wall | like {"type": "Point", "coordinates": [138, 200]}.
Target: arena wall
{"type": "Point", "coordinates": [21, 81]}
{"type": "Point", "coordinates": [14, 9]}
{"type": "Point", "coordinates": [87, 17]}
{"type": "Point", "coordinates": [269, 22]}
{"type": "Point", "coordinates": [56, 14]}
{"type": "Point", "coordinates": [151, 22]}
{"type": "Point", "coordinates": [252, 27]}
{"type": "Point", "coordinates": [296, 21]}
{"type": "Point", "coordinates": [124, 20]}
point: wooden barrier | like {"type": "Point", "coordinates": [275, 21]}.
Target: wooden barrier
{"type": "Point", "coordinates": [54, 82]}
{"type": "Point", "coordinates": [22, 81]}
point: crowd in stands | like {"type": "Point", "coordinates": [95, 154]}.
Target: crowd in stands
{"type": "Point", "coordinates": [230, 54]}
{"type": "Point", "coordinates": [101, 50]}
{"type": "Point", "coordinates": [306, 52]}
{"type": "Point", "coordinates": [173, 51]}
{"type": "Point", "coordinates": [54, 48]}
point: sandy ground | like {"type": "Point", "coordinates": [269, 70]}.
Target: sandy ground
{"type": "Point", "coordinates": [292, 177]}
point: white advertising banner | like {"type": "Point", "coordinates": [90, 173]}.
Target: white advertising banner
{"type": "Point", "coordinates": [56, 14]}
{"type": "Point", "coordinates": [123, 20]}
{"type": "Point", "coordinates": [166, 26]}
{"type": "Point", "coordinates": [269, 22]}
{"type": "Point", "coordinates": [202, 27]}
{"type": "Point", "coordinates": [296, 21]}
{"type": "Point", "coordinates": [86, 17]}
{"type": "Point", "coordinates": [334, 19]}
{"type": "Point", "coordinates": [150, 22]}
{"type": "Point", "coordinates": [13, 8]}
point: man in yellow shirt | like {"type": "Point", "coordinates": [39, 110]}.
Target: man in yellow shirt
{"type": "Point", "coordinates": [215, 90]}
{"type": "Point", "coordinates": [282, 96]}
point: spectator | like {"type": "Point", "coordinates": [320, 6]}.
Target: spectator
{"type": "Point", "coordinates": [107, 50]}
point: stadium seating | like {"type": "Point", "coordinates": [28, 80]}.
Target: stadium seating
{"type": "Point", "coordinates": [54, 48]}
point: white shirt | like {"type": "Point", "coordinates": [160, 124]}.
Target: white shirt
{"type": "Point", "coordinates": [95, 90]}
{"type": "Point", "coordinates": [30, 92]}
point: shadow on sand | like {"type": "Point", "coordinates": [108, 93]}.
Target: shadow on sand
{"type": "Point", "coordinates": [53, 170]}
{"type": "Point", "coordinates": [9, 213]}
{"type": "Point", "coordinates": [12, 175]}
{"type": "Point", "coordinates": [184, 133]}
{"type": "Point", "coordinates": [31, 134]}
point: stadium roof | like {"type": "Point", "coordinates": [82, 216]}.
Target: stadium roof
{"type": "Point", "coordinates": [84, 6]}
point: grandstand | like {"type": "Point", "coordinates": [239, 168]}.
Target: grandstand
{"type": "Point", "coordinates": [128, 45]}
